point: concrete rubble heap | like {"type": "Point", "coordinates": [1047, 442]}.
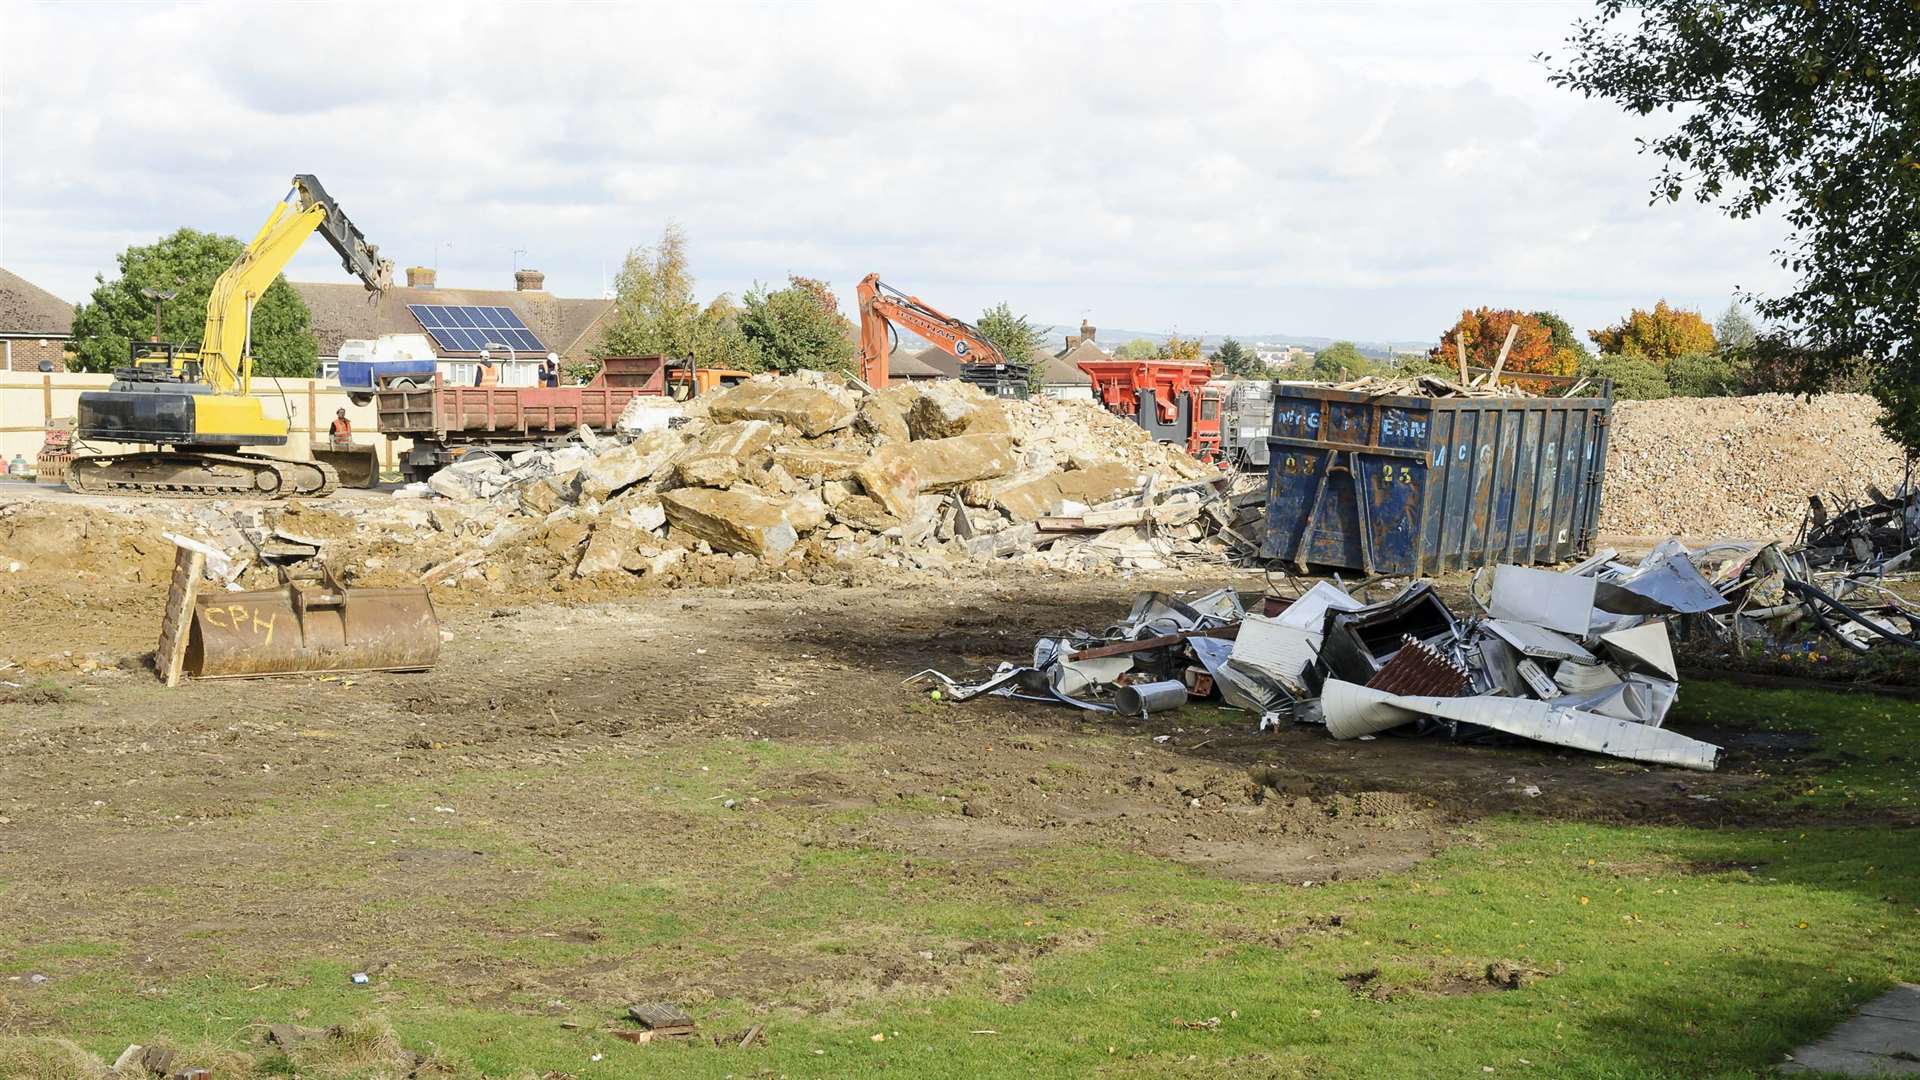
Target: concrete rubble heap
{"type": "Point", "coordinates": [1581, 659]}
{"type": "Point", "coordinates": [810, 466]}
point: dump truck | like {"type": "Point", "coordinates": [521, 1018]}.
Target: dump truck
{"type": "Point", "coordinates": [445, 422]}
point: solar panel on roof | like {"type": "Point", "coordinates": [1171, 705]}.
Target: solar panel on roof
{"type": "Point", "coordinates": [469, 329]}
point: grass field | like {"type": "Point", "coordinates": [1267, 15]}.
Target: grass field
{"type": "Point", "coordinates": [1529, 945]}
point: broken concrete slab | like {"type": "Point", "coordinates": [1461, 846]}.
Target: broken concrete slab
{"type": "Point", "coordinates": [818, 463]}
{"type": "Point", "coordinates": [883, 418]}
{"type": "Point", "coordinates": [943, 408]}
{"type": "Point", "coordinates": [812, 411]}
{"type": "Point", "coordinates": [941, 464]}
{"type": "Point", "coordinates": [624, 466]}
{"type": "Point", "coordinates": [607, 547]}
{"type": "Point", "coordinates": [1037, 498]}
{"type": "Point", "coordinates": [890, 478]}
{"type": "Point", "coordinates": [721, 454]}
{"type": "Point", "coordinates": [862, 512]}
{"type": "Point", "coordinates": [733, 521]}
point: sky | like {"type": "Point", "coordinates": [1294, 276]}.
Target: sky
{"type": "Point", "coordinates": [1353, 170]}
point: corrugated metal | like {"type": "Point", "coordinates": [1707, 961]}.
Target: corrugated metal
{"type": "Point", "coordinates": [1409, 485]}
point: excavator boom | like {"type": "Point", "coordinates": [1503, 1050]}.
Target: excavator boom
{"type": "Point", "coordinates": [883, 307]}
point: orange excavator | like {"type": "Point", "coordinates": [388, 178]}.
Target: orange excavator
{"type": "Point", "coordinates": [882, 307]}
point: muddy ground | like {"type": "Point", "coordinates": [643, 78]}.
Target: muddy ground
{"type": "Point", "coordinates": [433, 824]}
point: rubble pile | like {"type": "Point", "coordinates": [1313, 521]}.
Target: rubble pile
{"type": "Point", "coordinates": [1581, 659]}
{"type": "Point", "coordinates": [804, 467]}
{"type": "Point", "coordinates": [1737, 467]}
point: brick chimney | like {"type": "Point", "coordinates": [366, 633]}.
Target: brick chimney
{"type": "Point", "coordinates": [1086, 331]}
{"type": "Point", "coordinates": [420, 277]}
{"type": "Point", "coordinates": [529, 281]}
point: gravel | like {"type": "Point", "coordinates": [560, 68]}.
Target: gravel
{"type": "Point", "coordinates": [1725, 468]}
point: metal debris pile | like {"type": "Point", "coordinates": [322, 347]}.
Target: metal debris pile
{"type": "Point", "coordinates": [1580, 659]}
{"type": "Point", "coordinates": [1831, 584]}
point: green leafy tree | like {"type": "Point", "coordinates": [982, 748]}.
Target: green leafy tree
{"type": "Point", "coordinates": [1339, 362]}
{"type": "Point", "coordinates": [654, 308]}
{"type": "Point", "coordinates": [1804, 108]}
{"type": "Point", "coordinates": [798, 327]}
{"type": "Point", "coordinates": [718, 340]}
{"type": "Point", "coordinates": [1635, 378]}
{"type": "Point", "coordinates": [1237, 359]}
{"type": "Point", "coordinates": [1711, 374]}
{"type": "Point", "coordinates": [187, 262]}
{"type": "Point", "coordinates": [1137, 349]}
{"type": "Point", "coordinates": [1015, 337]}
{"type": "Point", "coordinates": [1566, 350]}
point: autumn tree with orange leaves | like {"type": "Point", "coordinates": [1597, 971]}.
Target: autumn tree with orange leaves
{"type": "Point", "coordinates": [1484, 330]}
{"type": "Point", "coordinates": [1658, 336]}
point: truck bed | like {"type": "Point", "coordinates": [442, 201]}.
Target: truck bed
{"type": "Point", "coordinates": [529, 411]}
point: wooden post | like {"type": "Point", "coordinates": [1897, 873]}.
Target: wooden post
{"type": "Point", "coordinates": [46, 401]}
{"type": "Point", "coordinates": [1512, 332]}
{"type": "Point", "coordinates": [311, 406]}
{"type": "Point", "coordinates": [1460, 350]}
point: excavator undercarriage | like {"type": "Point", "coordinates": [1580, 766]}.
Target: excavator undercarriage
{"type": "Point", "coordinates": [196, 474]}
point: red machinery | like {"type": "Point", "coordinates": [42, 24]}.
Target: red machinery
{"type": "Point", "coordinates": [882, 306]}
{"type": "Point", "coordinates": [1170, 398]}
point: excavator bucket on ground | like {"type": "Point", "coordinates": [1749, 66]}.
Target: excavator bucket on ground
{"type": "Point", "coordinates": [311, 626]}
{"type": "Point", "coordinates": [359, 466]}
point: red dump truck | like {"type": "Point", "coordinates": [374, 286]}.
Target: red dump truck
{"type": "Point", "coordinates": [1170, 398]}
{"type": "Point", "coordinates": [445, 422]}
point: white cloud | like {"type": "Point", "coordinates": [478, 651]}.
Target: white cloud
{"type": "Point", "coordinates": [1345, 169]}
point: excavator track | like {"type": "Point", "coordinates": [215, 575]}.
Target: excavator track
{"type": "Point", "coordinates": [196, 475]}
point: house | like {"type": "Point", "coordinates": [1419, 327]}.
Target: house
{"type": "Point", "coordinates": [1060, 374]}
{"type": "Point", "coordinates": [929, 363]}
{"type": "Point", "coordinates": [35, 326]}
{"type": "Point", "coordinates": [569, 328]}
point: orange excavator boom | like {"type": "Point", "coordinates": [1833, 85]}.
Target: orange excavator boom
{"type": "Point", "coordinates": [882, 308]}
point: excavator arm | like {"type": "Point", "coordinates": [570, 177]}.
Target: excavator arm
{"type": "Point", "coordinates": [226, 344]}
{"type": "Point", "coordinates": [883, 307]}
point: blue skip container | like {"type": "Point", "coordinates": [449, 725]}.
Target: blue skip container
{"type": "Point", "coordinates": [1414, 485]}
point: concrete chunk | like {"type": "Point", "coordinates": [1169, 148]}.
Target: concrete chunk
{"type": "Point", "coordinates": [884, 418]}
{"type": "Point", "coordinates": [624, 466]}
{"type": "Point", "coordinates": [812, 411]}
{"type": "Point", "coordinates": [720, 455]}
{"type": "Point", "coordinates": [889, 477]}
{"type": "Point", "coordinates": [736, 521]}
{"type": "Point", "coordinates": [1036, 498]}
{"type": "Point", "coordinates": [944, 408]}
{"type": "Point", "coordinates": [811, 463]}
{"type": "Point", "coordinates": [942, 464]}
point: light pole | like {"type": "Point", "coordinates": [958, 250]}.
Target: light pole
{"type": "Point", "coordinates": [517, 252]}
{"type": "Point", "coordinates": [159, 297]}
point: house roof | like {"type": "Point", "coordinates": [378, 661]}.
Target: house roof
{"type": "Point", "coordinates": [27, 309]}
{"type": "Point", "coordinates": [1064, 370]}
{"type": "Point", "coordinates": [931, 362]}
{"type": "Point", "coordinates": [569, 327]}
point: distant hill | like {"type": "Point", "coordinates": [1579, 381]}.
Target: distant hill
{"type": "Point", "coordinates": [1113, 339]}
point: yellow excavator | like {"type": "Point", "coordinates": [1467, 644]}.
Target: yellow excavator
{"type": "Point", "coordinates": [198, 407]}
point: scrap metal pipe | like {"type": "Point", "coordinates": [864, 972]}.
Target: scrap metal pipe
{"type": "Point", "coordinates": [1139, 699]}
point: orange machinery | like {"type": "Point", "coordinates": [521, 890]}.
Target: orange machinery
{"type": "Point", "coordinates": [1170, 398]}
{"type": "Point", "coordinates": [882, 307]}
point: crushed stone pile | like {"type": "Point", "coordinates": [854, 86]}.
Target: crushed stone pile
{"type": "Point", "coordinates": [1707, 468]}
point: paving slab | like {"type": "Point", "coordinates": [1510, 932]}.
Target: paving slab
{"type": "Point", "coordinates": [1883, 1040]}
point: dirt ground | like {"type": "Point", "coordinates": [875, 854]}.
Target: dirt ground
{"type": "Point", "coordinates": [138, 813]}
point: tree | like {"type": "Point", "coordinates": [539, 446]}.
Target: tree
{"type": "Point", "coordinates": [1808, 105]}
{"type": "Point", "coordinates": [719, 342]}
{"type": "Point", "coordinates": [1658, 335]}
{"type": "Point", "coordinates": [1179, 348]}
{"type": "Point", "coordinates": [798, 327]}
{"type": "Point", "coordinates": [1565, 348]}
{"type": "Point", "coordinates": [1714, 374]}
{"type": "Point", "coordinates": [1484, 331]}
{"type": "Point", "coordinates": [1237, 360]}
{"type": "Point", "coordinates": [654, 308]}
{"type": "Point", "coordinates": [1734, 331]}
{"type": "Point", "coordinates": [1635, 378]}
{"type": "Point", "coordinates": [1015, 337]}
{"type": "Point", "coordinates": [1137, 349]}
{"type": "Point", "coordinates": [1339, 362]}
{"type": "Point", "coordinates": [187, 262]}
